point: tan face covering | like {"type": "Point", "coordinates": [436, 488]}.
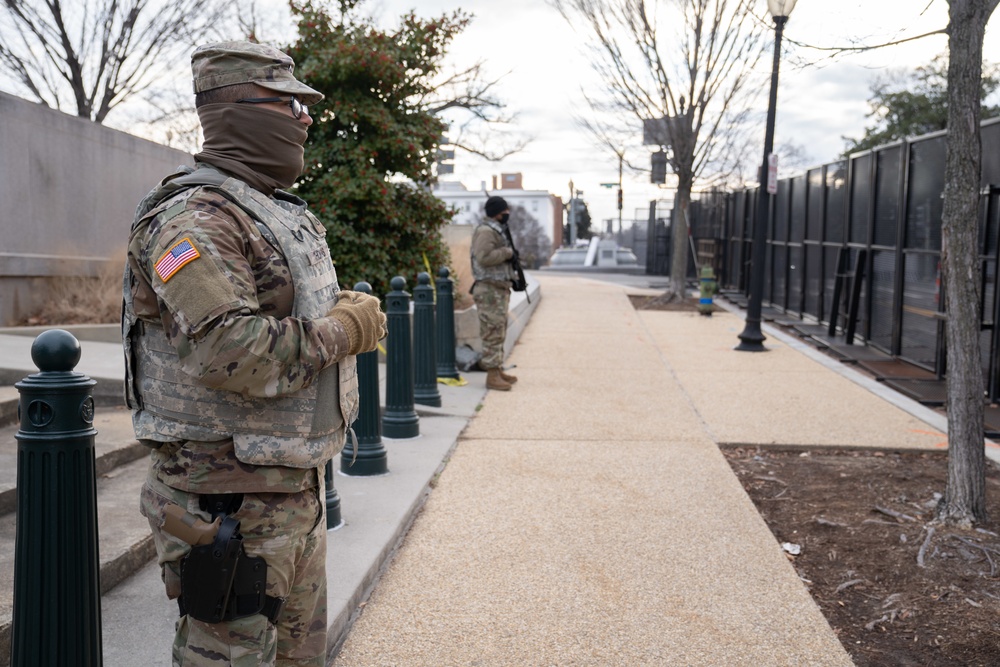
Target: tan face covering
{"type": "Point", "coordinates": [257, 145]}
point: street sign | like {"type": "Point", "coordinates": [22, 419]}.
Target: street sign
{"type": "Point", "coordinates": [656, 133]}
{"type": "Point", "coordinates": [772, 174]}
{"type": "Point", "coordinates": [608, 185]}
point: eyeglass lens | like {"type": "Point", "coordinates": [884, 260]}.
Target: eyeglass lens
{"type": "Point", "coordinates": [298, 108]}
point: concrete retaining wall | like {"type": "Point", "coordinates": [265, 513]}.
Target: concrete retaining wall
{"type": "Point", "coordinates": [69, 188]}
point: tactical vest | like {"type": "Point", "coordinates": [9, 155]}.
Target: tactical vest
{"type": "Point", "coordinates": [303, 429]}
{"type": "Point", "coordinates": [500, 273]}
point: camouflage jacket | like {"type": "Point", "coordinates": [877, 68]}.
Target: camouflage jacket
{"type": "Point", "coordinates": [490, 254]}
{"type": "Point", "coordinates": [227, 341]}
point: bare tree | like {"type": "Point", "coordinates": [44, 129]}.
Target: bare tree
{"type": "Point", "coordinates": [530, 239]}
{"type": "Point", "coordinates": [466, 95]}
{"type": "Point", "coordinates": [693, 78]}
{"type": "Point", "coordinates": [90, 56]}
{"type": "Point", "coordinates": [462, 94]}
{"type": "Point", "coordinates": [964, 501]}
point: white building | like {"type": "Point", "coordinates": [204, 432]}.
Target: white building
{"type": "Point", "coordinates": [546, 208]}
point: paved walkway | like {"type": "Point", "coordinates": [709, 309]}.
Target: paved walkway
{"type": "Point", "coordinates": [588, 518]}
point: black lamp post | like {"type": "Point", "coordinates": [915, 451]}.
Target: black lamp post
{"type": "Point", "coordinates": [751, 338]}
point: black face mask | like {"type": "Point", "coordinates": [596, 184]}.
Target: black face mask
{"type": "Point", "coordinates": [504, 218]}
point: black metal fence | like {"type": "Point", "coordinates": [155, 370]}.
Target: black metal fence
{"type": "Point", "coordinates": [876, 215]}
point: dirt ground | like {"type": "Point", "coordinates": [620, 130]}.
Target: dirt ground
{"type": "Point", "coordinates": [897, 589]}
{"type": "Point", "coordinates": [659, 303]}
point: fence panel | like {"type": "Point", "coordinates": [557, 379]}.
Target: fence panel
{"type": "Point", "coordinates": [836, 203]}
{"type": "Point", "coordinates": [814, 278]}
{"type": "Point", "coordinates": [861, 199]}
{"type": "Point", "coordinates": [887, 192]}
{"type": "Point", "coordinates": [924, 202]}
{"type": "Point", "coordinates": [920, 324]}
{"type": "Point", "coordinates": [796, 235]}
{"type": "Point", "coordinates": [883, 290]}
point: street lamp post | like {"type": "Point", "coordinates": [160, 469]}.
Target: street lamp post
{"type": "Point", "coordinates": [621, 160]}
{"type": "Point", "coordinates": [572, 216]}
{"type": "Point", "coordinates": [751, 338]}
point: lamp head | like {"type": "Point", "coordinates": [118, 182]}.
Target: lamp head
{"type": "Point", "coordinates": [780, 8]}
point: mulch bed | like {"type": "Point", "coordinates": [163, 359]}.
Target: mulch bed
{"type": "Point", "coordinates": [896, 588]}
{"type": "Point", "coordinates": [661, 302]}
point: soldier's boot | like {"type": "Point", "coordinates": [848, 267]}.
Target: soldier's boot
{"type": "Point", "coordinates": [509, 379]}
{"type": "Point", "coordinates": [495, 381]}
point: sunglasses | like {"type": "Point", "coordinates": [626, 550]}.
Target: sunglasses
{"type": "Point", "coordinates": [297, 107]}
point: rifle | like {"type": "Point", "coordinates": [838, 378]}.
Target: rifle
{"type": "Point", "coordinates": [520, 283]}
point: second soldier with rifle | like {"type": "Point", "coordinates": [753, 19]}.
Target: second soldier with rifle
{"type": "Point", "coordinates": [496, 269]}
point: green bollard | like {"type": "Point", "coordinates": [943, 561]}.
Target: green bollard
{"type": "Point", "coordinates": [425, 388]}
{"type": "Point", "coordinates": [57, 588]}
{"type": "Point", "coordinates": [372, 459]}
{"type": "Point", "coordinates": [333, 517]}
{"type": "Point", "coordinates": [400, 419]}
{"type": "Point", "coordinates": [445, 338]}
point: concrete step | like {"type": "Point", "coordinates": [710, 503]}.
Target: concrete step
{"type": "Point", "coordinates": [9, 397]}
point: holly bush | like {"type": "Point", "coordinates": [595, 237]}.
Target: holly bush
{"type": "Point", "coordinates": [373, 140]}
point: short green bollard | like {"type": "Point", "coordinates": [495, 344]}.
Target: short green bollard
{"type": "Point", "coordinates": [57, 588]}
{"type": "Point", "coordinates": [371, 457]}
{"type": "Point", "coordinates": [425, 388]}
{"type": "Point", "coordinates": [400, 419]}
{"type": "Point", "coordinates": [445, 338]}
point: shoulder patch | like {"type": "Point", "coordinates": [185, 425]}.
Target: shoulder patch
{"type": "Point", "coordinates": [183, 252]}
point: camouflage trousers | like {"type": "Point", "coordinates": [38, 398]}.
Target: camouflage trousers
{"type": "Point", "coordinates": [288, 530]}
{"type": "Point", "coordinates": [491, 302]}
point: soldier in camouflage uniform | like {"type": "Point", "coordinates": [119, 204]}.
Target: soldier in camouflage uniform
{"type": "Point", "coordinates": [240, 362]}
{"type": "Point", "coordinates": [493, 274]}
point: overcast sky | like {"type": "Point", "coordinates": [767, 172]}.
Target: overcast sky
{"type": "Point", "coordinates": [820, 99]}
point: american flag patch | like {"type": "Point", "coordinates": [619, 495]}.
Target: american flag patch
{"type": "Point", "coordinates": [179, 255]}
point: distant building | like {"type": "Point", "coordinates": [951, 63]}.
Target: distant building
{"type": "Point", "coordinates": [546, 208]}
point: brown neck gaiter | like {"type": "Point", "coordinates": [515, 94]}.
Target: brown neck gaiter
{"type": "Point", "coordinates": [256, 145]}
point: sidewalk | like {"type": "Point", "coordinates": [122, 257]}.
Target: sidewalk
{"type": "Point", "coordinates": [588, 518]}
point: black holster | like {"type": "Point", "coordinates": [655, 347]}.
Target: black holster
{"type": "Point", "coordinates": [221, 582]}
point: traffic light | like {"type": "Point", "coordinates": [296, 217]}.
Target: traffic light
{"type": "Point", "coordinates": [659, 164]}
{"type": "Point", "coordinates": [619, 199]}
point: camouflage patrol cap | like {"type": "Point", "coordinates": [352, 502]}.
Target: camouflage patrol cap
{"type": "Point", "coordinates": [229, 63]}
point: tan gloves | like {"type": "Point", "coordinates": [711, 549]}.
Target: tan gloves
{"type": "Point", "coordinates": [363, 320]}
